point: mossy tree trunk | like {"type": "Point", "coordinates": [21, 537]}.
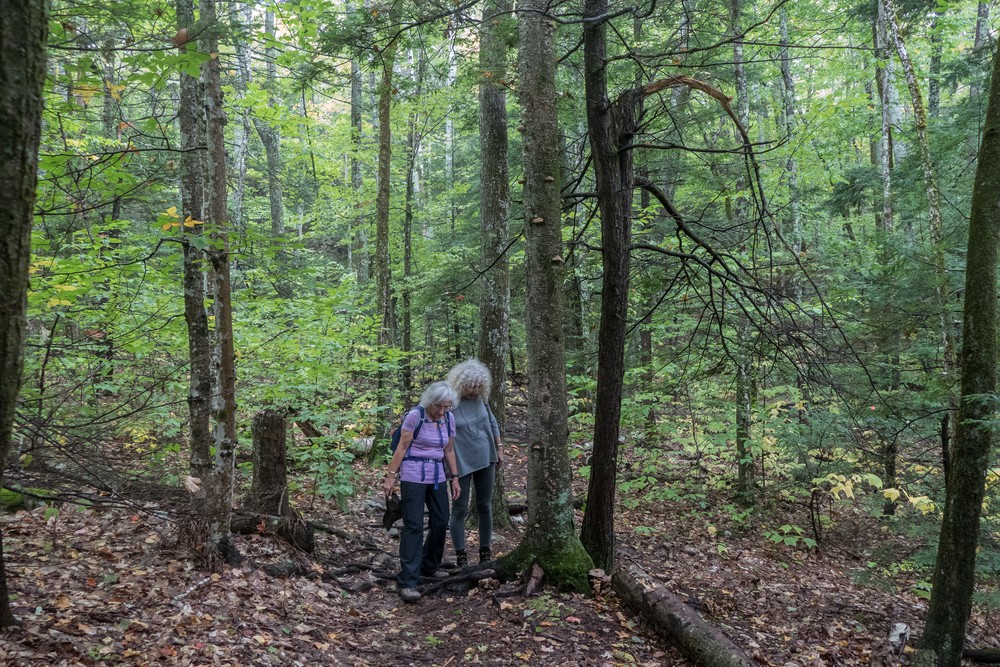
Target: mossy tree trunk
{"type": "Point", "coordinates": [550, 538]}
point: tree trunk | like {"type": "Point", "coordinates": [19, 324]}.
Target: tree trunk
{"type": "Point", "coordinates": [383, 269]}
{"type": "Point", "coordinates": [269, 490]}
{"type": "Point", "coordinates": [942, 287]}
{"type": "Point", "coordinates": [744, 360]}
{"type": "Point", "coordinates": [23, 40]}
{"type": "Point", "coordinates": [494, 207]}
{"type": "Point", "coordinates": [412, 148]}
{"type": "Point", "coordinates": [270, 137]}
{"type": "Point", "coordinates": [550, 539]}
{"type": "Point", "coordinates": [954, 571]}
{"type": "Point", "coordinates": [191, 121]}
{"type": "Point", "coordinates": [359, 243]}
{"type": "Point", "coordinates": [219, 486]}
{"type": "Point", "coordinates": [239, 19]}
{"type": "Point", "coordinates": [884, 82]}
{"type": "Point", "coordinates": [610, 128]}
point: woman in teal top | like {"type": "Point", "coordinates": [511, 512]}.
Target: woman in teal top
{"type": "Point", "coordinates": [477, 449]}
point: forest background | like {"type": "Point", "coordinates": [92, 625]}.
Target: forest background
{"type": "Point", "coordinates": [788, 285]}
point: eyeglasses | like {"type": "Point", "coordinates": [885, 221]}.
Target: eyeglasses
{"type": "Point", "coordinates": [442, 406]}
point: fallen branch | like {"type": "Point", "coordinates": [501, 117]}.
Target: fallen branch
{"type": "Point", "coordinates": [697, 640]}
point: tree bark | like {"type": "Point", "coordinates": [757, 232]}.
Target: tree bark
{"type": "Point", "coordinates": [219, 486]}
{"type": "Point", "coordinates": [550, 539]}
{"type": "Point", "coordinates": [412, 148]}
{"type": "Point", "coordinates": [954, 571]}
{"type": "Point", "coordinates": [494, 207]}
{"type": "Point", "coordinates": [270, 137]}
{"type": "Point", "coordinates": [383, 269]}
{"type": "Point", "coordinates": [269, 489]}
{"type": "Point", "coordinates": [191, 121]}
{"type": "Point", "coordinates": [610, 128]}
{"type": "Point", "coordinates": [23, 41]}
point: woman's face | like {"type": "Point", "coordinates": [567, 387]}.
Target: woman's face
{"type": "Point", "coordinates": [436, 411]}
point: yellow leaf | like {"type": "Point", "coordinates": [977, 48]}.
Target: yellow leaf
{"type": "Point", "coordinates": [191, 222]}
{"type": "Point", "coordinates": [167, 226]}
{"type": "Point", "coordinates": [172, 212]}
{"type": "Point", "coordinates": [712, 530]}
{"type": "Point", "coordinates": [59, 302]}
{"type": "Point", "coordinates": [891, 494]}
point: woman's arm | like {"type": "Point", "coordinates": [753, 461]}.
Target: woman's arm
{"type": "Point", "coordinates": [405, 438]}
{"type": "Point", "coordinates": [451, 469]}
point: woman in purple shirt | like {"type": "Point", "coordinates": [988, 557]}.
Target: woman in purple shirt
{"type": "Point", "coordinates": [426, 468]}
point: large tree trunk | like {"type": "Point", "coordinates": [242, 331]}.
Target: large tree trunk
{"type": "Point", "coordinates": [494, 207]}
{"type": "Point", "coordinates": [550, 539]}
{"type": "Point", "coordinates": [23, 40]}
{"type": "Point", "coordinates": [610, 128]}
{"type": "Point", "coordinates": [954, 571]}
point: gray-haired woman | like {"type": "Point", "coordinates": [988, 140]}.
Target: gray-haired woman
{"type": "Point", "coordinates": [477, 449]}
{"type": "Point", "coordinates": [425, 466]}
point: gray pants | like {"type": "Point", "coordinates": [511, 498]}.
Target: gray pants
{"type": "Point", "coordinates": [483, 479]}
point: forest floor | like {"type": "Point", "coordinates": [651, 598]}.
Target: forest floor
{"type": "Point", "coordinates": [112, 586]}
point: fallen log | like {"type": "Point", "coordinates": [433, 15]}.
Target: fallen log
{"type": "Point", "coordinates": [675, 621]}
{"type": "Point", "coordinates": [291, 529]}
{"type": "Point", "coordinates": [985, 655]}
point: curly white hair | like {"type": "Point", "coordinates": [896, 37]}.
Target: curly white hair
{"type": "Point", "coordinates": [471, 377]}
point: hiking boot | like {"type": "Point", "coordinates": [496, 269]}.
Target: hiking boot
{"type": "Point", "coordinates": [485, 554]}
{"type": "Point", "coordinates": [461, 558]}
{"type": "Point", "coordinates": [409, 594]}
{"type": "Point", "coordinates": [437, 574]}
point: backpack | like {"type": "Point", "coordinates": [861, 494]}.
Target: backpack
{"type": "Point", "coordinates": [398, 432]}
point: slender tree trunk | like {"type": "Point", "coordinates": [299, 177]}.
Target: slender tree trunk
{"type": "Point", "coordinates": [954, 570]}
{"type": "Point", "coordinates": [23, 40]}
{"type": "Point", "coordinates": [933, 206]}
{"type": "Point", "coordinates": [219, 488]}
{"type": "Point", "coordinates": [270, 137]}
{"type": "Point", "coordinates": [191, 121]}
{"type": "Point", "coordinates": [610, 128]}
{"type": "Point", "coordinates": [745, 355]}
{"type": "Point", "coordinates": [383, 270]}
{"type": "Point", "coordinates": [412, 149]}
{"type": "Point", "coordinates": [494, 207]}
{"type": "Point", "coordinates": [882, 78]}
{"type": "Point", "coordinates": [239, 19]}
{"type": "Point", "coordinates": [934, 78]}
{"type": "Point", "coordinates": [359, 245]}
{"type": "Point", "coordinates": [550, 540]}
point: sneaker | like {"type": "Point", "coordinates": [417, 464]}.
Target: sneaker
{"type": "Point", "coordinates": [461, 558]}
{"type": "Point", "coordinates": [409, 594]}
{"type": "Point", "coordinates": [485, 554]}
{"type": "Point", "coordinates": [437, 574]}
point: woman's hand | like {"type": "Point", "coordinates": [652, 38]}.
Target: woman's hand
{"type": "Point", "coordinates": [388, 484]}
{"type": "Point", "coordinates": [456, 490]}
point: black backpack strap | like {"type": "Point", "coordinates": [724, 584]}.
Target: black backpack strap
{"type": "Point", "coordinates": [416, 430]}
